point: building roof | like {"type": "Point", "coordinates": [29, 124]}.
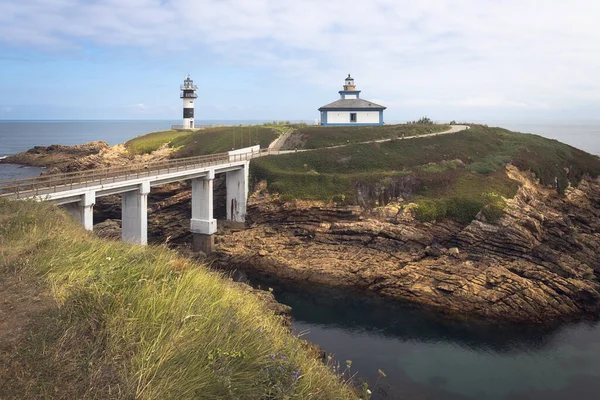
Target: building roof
{"type": "Point", "coordinates": [358, 104]}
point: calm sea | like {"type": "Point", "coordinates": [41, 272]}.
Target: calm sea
{"type": "Point", "coordinates": [427, 357]}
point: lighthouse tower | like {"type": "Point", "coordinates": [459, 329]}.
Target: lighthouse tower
{"type": "Point", "coordinates": [188, 94]}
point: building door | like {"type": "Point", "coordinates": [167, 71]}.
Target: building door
{"type": "Point", "coordinates": [352, 117]}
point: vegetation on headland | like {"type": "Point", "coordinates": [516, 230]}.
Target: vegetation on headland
{"type": "Point", "coordinates": [141, 322]}
{"type": "Point", "coordinates": [205, 141]}
{"type": "Point", "coordinates": [315, 137]}
{"type": "Point", "coordinates": [454, 175]}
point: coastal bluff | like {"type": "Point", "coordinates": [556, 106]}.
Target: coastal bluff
{"type": "Point", "coordinates": [538, 263]}
{"type": "Point", "coordinates": [482, 224]}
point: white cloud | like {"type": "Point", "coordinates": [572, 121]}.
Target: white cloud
{"type": "Point", "coordinates": [462, 53]}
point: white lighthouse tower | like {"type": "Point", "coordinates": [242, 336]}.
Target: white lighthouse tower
{"type": "Point", "coordinates": [188, 94]}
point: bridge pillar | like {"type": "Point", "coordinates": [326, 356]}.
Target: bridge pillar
{"type": "Point", "coordinates": [83, 210]}
{"type": "Point", "coordinates": [134, 217]}
{"type": "Point", "coordinates": [202, 205]}
{"type": "Point", "coordinates": [202, 224]}
{"type": "Point", "coordinates": [237, 194]}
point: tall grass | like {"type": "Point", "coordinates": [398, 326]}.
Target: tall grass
{"type": "Point", "coordinates": [142, 322]}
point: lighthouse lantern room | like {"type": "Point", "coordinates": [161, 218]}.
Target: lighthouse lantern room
{"type": "Point", "coordinates": [188, 94]}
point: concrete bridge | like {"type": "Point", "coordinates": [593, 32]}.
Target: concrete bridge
{"type": "Point", "coordinates": [78, 191]}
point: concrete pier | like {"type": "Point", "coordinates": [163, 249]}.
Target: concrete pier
{"type": "Point", "coordinates": [203, 243]}
{"type": "Point", "coordinates": [237, 193]}
{"type": "Point", "coordinates": [202, 220]}
{"type": "Point", "coordinates": [83, 210]}
{"type": "Point", "coordinates": [135, 215]}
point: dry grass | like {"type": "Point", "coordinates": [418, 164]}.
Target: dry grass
{"type": "Point", "coordinates": [135, 322]}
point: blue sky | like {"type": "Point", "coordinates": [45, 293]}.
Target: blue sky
{"type": "Point", "coordinates": [282, 59]}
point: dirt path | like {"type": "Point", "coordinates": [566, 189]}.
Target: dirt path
{"type": "Point", "coordinates": [453, 129]}
{"type": "Point", "coordinates": [277, 143]}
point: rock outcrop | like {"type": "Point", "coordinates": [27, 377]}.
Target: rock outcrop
{"type": "Point", "coordinates": [59, 158]}
{"type": "Point", "coordinates": [540, 262]}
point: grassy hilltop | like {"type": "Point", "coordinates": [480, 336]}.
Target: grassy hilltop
{"type": "Point", "coordinates": [316, 137]}
{"type": "Point", "coordinates": [455, 175]}
{"type": "Point", "coordinates": [205, 141]}
{"type": "Point", "coordinates": [95, 319]}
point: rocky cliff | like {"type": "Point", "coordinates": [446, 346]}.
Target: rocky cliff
{"type": "Point", "coordinates": [539, 262]}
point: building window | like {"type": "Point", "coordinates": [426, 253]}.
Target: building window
{"type": "Point", "coordinates": [352, 117]}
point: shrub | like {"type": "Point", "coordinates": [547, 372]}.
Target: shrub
{"type": "Point", "coordinates": [494, 209]}
{"type": "Point", "coordinates": [430, 210]}
{"type": "Point", "coordinates": [463, 209]}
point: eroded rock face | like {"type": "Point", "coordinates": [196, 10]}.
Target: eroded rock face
{"type": "Point", "coordinates": [56, 156]}
{"type": "Point", "coordinates": [92, 155]}
{"type": "Point", "coordinates": [539, 263]}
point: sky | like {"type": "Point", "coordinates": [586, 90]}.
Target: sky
{"type": "Point", "coordinates": [283, 59]}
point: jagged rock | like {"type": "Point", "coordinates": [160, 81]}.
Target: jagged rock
{"type": "Point", "coordinates": [108, 229]}
{"type": "Point", "coordinates": [538, 263]}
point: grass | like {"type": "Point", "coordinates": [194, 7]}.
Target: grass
{"type": "Point", "coordinates": [142, 322]}
{"type": "Point", "coordinates": [452, 176]}
{"type": "Point", "coordinates": [205, 141]}
{"type": "Point", "coordinates": [315, 137]}
{"type": "Point", "coordinates": [150, 142]}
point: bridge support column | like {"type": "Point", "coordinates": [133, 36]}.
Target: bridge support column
{"type": "Point", "coordinates": [134, 217]}
{"type": "Point", "coordinates": [83, 210]}
{"type": "Point", "coordinates": [237, 194]}
{"type": "Point", "coordinates": [202, 224]}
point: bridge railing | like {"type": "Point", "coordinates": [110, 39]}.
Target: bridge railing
{"type": "Point", "coordinates": [52, 183]}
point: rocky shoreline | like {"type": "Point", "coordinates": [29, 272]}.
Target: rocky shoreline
{"type": "Point", "coordinates": [92, 155]}
{"type": "Point", "coordinates": [538, 264]}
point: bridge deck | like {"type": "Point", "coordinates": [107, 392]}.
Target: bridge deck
{"type": "Point", "coordinates": [62, 182]}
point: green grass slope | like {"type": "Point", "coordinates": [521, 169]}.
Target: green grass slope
{"type": "Point", "coordinates": [141, 322]}
{"type": "Point", "coordinates": [453, 175]}
{"type": "Point", "coordinates": [315, 137]}
{"type": "Point", "coordinates": [205, 141]}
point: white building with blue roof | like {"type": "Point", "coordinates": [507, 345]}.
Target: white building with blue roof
{"type": "Point", "coordinates": [350, 109]}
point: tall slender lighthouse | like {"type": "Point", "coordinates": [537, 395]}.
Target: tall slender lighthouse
{"type": "Point", "coordinates": [188, 94]}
